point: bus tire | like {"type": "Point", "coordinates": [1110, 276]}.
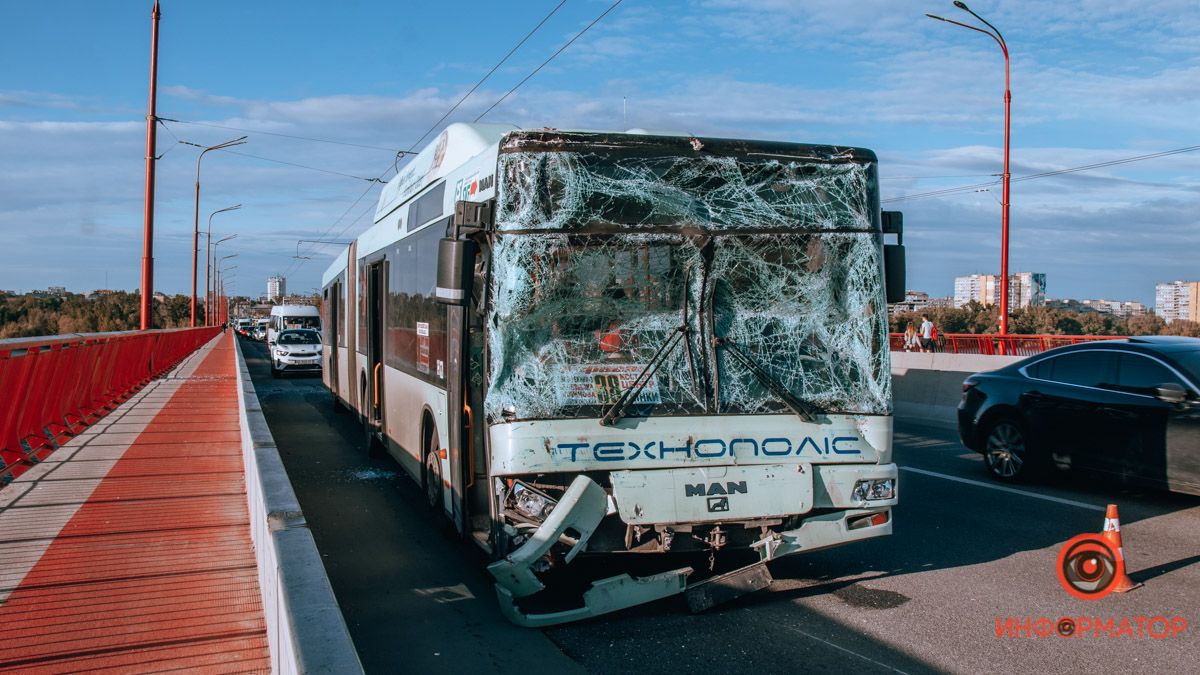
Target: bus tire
{"type": "Point", "coordinates": [435, 489]}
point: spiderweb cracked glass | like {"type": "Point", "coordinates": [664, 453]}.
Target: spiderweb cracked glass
{"type": "Point", "coordinates": [598, 261]}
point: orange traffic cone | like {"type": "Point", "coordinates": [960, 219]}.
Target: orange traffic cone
{"type": "Point", "coordinates": [1112, 534]}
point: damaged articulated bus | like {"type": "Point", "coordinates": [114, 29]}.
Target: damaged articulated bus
{"type": "Point", "coordinates": [588, 344]}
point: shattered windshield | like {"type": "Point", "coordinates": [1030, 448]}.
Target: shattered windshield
{"type": "Point", "coordinates": [599, 260]}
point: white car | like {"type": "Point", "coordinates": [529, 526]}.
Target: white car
{"type": "Point", "coordinates": [296, 350]}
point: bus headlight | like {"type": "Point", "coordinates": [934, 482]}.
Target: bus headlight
{"type": "Point", "coordinates": [873, 488]}
{"type": "Point", "coordinates": [531, 503]}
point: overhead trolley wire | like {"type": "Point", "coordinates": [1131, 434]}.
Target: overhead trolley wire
{"type": "Point", "coordinates": [274, 133]}
{"type": "Point", "coordinates": [1045, 174]}
{"type": "Point", "coordinates": [454, 107]}
{"type": "Point", "coordinates": [269, 159]}
{"type": "Point", "coordinates": [489, 74]}
{"type": "Point", "coordinates": [552, 57]}
{"type": "Point", "coordinates": [298, 261]}
{"type": "Point", "coordinates": [301, 166]}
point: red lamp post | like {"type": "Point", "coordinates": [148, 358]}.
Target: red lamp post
{"type": "Point", "coordinates": [1004, 196]}
{"type": "Point", "coordinates": [147, 300]}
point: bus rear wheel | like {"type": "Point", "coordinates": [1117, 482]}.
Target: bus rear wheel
{"type": "Point", "coordinates": [434, 487]}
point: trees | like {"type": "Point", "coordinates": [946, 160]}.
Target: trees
{"type": "Point", "coordinates": [976, 319]}
{"type": "Point", "coordinates": [33, 315]}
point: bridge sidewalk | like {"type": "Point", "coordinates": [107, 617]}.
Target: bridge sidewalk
{"type": "Point", "coordinates": [129, 548]}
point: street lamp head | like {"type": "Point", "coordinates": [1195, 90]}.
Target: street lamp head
{"type": "Point", "coordinates": [229, 144]}
{"type": "Point", "coordinates": [957, 3]}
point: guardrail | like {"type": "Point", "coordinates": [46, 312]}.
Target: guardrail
{"type": "Point", "coordinates": [1001, 345]}
{"type": "Point", "coordinates": [55, 386]}
{"type": "Point", "coordinates": [305, 628]}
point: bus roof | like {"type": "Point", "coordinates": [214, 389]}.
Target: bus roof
{"type": "Point", "coordinates": [339, 264]}
{"type": "Point", "coordinates": [455, 145]}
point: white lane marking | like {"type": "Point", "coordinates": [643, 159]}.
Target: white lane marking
{"type": "Point", "coordinates": [1001, 488]}
{"type": "Point", "coordinates": [848, 651]}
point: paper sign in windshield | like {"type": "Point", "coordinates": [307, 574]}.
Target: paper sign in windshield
{"type": "Point", "coordinates": [604, 383]}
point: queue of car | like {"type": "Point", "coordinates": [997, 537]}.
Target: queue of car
{"type": "Point", "coordinates": [293, 338]}
{"type": "Point", "coordinates": [1128, 408]}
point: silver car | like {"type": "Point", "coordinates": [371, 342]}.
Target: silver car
{"type": "Point", "coordinates": [297, 349]}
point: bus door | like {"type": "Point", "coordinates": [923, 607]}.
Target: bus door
{"type": "Point", "coordinates": [376, 293]}
{"type": "Point", "coordinates": [333, 302]}
{"type": "Point", "coordinates": [459, 289]}
{"type": "Point", "coordinates": [351, 327]}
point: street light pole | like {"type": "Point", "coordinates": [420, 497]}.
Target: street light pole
{"type": "Point", "coordinates": [1006, 176]}
{"type": "Point", "coordinates": [208, 242]}
{"type": "Point", "coordinates": [208, 287]}
{"type": "Point", "coordinates": [196, 210]}
{"type": "Point", "coordinates": [219, 289]}
{"type": "Point", "coordinates": [211, 299]}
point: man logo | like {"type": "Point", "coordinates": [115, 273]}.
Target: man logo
{"type": "Point", "coordinates": [727, 488]}
{"type": "Point", "coordinates": [718, 504]}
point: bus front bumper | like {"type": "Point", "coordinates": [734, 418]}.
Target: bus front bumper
{"type": "Point", "coordinates": [585, 504]}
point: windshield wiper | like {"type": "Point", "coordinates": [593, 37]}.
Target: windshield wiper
{"type": "Point", "coordinates": [617, 410]}
{"type": "Point", "coordinates": [805, 410]}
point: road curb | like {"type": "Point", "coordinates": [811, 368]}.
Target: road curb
{"type": "Point", "coordinates": [305, 627]}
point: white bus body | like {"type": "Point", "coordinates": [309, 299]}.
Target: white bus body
{"type": "Point", "coordinates": [731, 291]}
{"type": "Point", "coordinates": [292, 316]}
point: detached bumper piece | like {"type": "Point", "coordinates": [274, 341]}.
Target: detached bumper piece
{"type": "Point", "coordinates": [729, 586]}
{"type": "Point", "coordinates": [605, 595]}
{"type": "Point", "coordinates": [581, 509]}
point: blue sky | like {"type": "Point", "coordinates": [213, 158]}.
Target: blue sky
{"type": "Point", "coordinates": [1093, 81]}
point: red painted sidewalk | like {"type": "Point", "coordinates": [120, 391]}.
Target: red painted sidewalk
{"type": "Point", "coordinates": [129, 550]}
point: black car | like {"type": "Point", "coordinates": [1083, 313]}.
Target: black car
{"type": "Point", "coordinates": [1124, 407]}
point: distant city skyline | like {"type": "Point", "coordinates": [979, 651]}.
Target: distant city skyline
{"type": "Point", "coordinates": [1092, 83]}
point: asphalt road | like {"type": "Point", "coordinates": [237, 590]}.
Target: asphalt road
{"type": "Point", "coordinates": [966, 553]}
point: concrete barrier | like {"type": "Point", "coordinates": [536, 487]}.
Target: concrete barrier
{"type": "Point", "coordinates": [305, 627]}
{"type": "Point", "coordinates": [926, 388]}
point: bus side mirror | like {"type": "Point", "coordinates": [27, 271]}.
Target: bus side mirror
{"type": "Point", "coordinates": [455, 270]}
{"type": "Point", "coordinates": [894, 271]}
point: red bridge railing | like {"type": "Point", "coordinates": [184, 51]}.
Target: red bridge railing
{"type": "Point", "coordinates": [1010, 345]}
{"type": "Point", "coordinates": [51, 387]}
